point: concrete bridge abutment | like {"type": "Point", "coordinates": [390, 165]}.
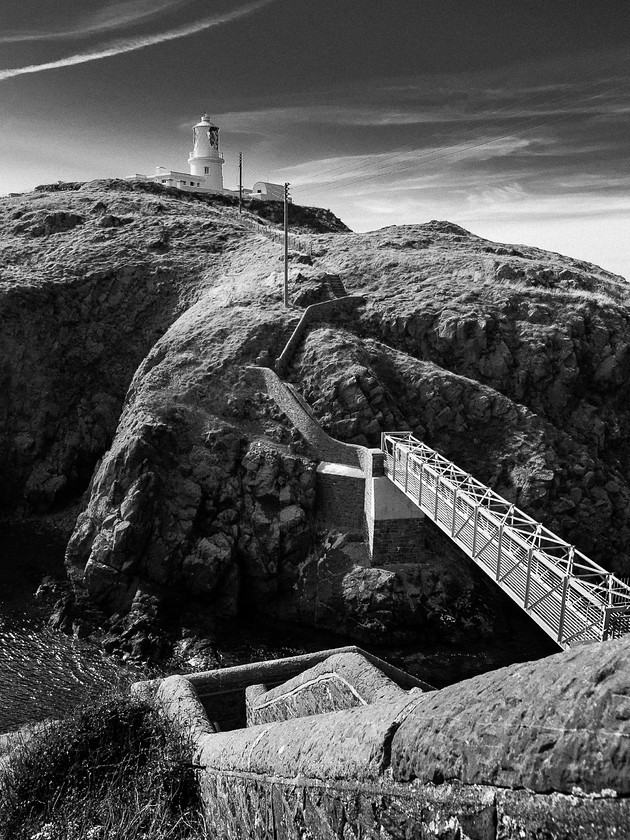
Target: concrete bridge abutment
{"type": "Point", "coordinates": [364, 499]}
{"type": "Point", "coordinates": [393, 524]}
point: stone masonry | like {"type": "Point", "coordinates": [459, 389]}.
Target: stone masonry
{"type": "Point", "coordinates": [343, 681]}
{"type": "Point", "coordinates": [536, 750]}
{"type": "Point", "coordinates": [352, 491]}
{"type": "Point", "coordinates": [397, 541]}
{"type": "Point", "coordinates": [340, 499]}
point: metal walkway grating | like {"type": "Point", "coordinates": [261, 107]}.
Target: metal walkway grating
{"type": "Point", "coordinates": [570, 596]}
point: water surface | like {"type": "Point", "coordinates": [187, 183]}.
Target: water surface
{"type": "Point", "coordinates": [43, 672]}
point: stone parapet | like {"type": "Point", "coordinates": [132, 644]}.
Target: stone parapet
{"type": "Point", "coordinates": [561, 724]}
{"type": "Point", "coordinates": [312, 314]}
{"type": "Point", "coordinates": [339, 489]}
{"type": "Point", "coordinates": [324, 447]}
{"type": "Point", "coordinates": [351, 744]}
{"type": "Point", "coordinates": [539, 749]}
{"type": "Point", "coordinates": [221, 692]}
{"type": "Point", "coordinates": [342, 681]}
{"type": "Point", "coordinates": [275, 808]}
{"type": "Point", "coordinates": [179, 701]}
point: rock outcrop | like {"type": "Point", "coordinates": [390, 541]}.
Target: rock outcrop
{"type": "Point", "coordinates": [523, 353]}
{"type": "Point", "coordinates": [129, 319]}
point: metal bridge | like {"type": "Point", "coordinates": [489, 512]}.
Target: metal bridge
{"type": "Point", "coordinates": [571, 597]}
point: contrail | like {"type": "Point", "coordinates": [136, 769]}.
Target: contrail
{"type": "Point", "coordinates": [131, 44]}
{"type": "Point", "coordinates": [116, 16]}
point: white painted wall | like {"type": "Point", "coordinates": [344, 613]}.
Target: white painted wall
{"type": "Point", "coordinates": [266, 191]}
{"type": "Point", "coordinates": [205, 159]}
{"type": "Point", "coordinates": [389, 502]}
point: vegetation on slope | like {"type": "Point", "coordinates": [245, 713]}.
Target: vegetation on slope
{"type": "Point", "coordinates": [306, 219]}
{"type": "Point", "coordinates": [520, 352]}
{"type": "Point", "coordinates": [113, 771]}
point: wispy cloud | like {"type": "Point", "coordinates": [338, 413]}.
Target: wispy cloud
{"type": "Point", "coordinates": [599, 99]}
{"type": "Point", "coordinates": [262, 120]}
{"type": "Point", "coordinates": [113, 16]}
{"type": "Point", "coordinates": [131, 44]}
{"type": "Point", "coordinates": [501, 203]}
{"type": "Point", "coordinates": [348, 170]}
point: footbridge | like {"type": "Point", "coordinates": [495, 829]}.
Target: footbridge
{"type": "Point", "coordinates": [567, 594]}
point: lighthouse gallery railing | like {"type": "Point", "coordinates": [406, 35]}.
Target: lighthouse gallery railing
{"type": "Point", "coordinates": [571, 597]}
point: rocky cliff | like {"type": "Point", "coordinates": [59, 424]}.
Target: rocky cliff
{"type": "Point", "coordinates": [129, 317]}
{"type": "Point", "coordinates": [512, 362]}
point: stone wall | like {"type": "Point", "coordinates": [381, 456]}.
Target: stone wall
{"type": "Point", "coordinates": [536, 750]}
{"type": "Point", "coordinates": [397, 540]}
{"type": "Point", "coordinates": [359, 470]}
{"type": "Point", "coordinates": [340, 496]}
{"type": "Point", "coordinates": [218, 696]}
{"type": "Point", "coordinates": [324, 447]}
{"type": "Point", "coordinates": [394, 524]}
{"type": "Point", "coordinates": [315, 312]}
{"type": "Point", "coordinates": [342, 681]}
{"type": "Point", "coordinates": [341, 775]}
{"type": "Point", "coordinates": [273, 808]}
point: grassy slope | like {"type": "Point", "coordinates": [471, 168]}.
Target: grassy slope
{"type": "Point", "coordinates": [113, 770]}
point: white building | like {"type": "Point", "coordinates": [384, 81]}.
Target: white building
{"type": "Point", "coordinates": [206, 169]}
{"type": "Point", "coordinates": [266, 191]}
{"type": "Point", "coordinates": [205, 162]}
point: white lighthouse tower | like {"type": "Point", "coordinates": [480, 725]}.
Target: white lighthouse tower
{"type": "Point", "coordinates": [206, 166]}
{"type": "Point", "coordinates": [206, 161]}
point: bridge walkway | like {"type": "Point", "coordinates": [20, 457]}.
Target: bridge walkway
{"type": "Point", "coordinates": [568, 595]}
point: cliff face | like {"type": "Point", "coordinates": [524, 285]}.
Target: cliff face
{"type": "Point", "coordinates": [512, 362]}
{"type": "Point", "coordinates": [87, 288]}
{"type": "Point", "coordinates": [129, 318]}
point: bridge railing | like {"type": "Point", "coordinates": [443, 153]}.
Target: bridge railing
{"type": "Point", "coordinates": [569, 595]}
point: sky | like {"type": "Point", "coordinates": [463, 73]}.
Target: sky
{"type": "Point", "coordinates": [508, 117]}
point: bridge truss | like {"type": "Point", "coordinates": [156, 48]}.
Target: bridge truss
{"type": "Point", "coordinates": [566, 593]}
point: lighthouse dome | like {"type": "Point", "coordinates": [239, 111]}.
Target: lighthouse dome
{"type": "Point", "coordinates": [206, 122]}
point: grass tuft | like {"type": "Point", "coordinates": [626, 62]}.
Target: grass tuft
{"type": "Point", "coordinates": [108, 772]}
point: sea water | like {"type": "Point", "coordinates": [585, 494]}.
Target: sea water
{"type": "Point", "coordinates": [43, 672]}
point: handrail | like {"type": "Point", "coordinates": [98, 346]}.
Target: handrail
{"type": "Point", "coordinates": [314, 312]}
{"type": "Point", "coordinates": [570, 596]}
{"type": "Point", "coordinates": [296, 242]}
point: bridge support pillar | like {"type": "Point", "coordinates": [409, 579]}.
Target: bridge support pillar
{"type": "Point", "coordinates": [393, 522]}
{"type": "Point", "coordinates": [340, 495]}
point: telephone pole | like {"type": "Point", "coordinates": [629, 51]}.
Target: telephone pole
{"type": "Point", "coordinates": [240, 182]}
{"type": "Point", "coordinates": [286, 245]}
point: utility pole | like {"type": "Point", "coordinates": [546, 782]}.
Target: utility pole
{"type": "Point", "coordinates": [286, 245]}
{"type": "Point", "coordinates": [240, 182]}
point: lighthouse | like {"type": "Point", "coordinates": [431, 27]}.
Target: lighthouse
{"type": "Point", "coordinates": [205, 160]}
{"type": "Point", "coordinates": [206, 169]}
